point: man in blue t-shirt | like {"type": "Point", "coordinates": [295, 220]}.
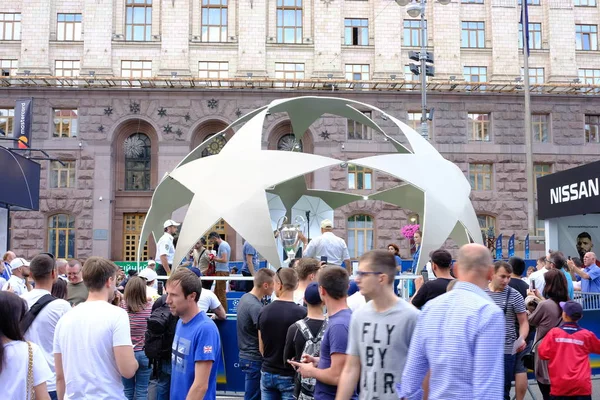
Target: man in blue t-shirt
{"type": "Point", "coordinates": [250, 265]}
{"type": "Point", "coordinates": [327, 369]}
{"type": "Point", "coordinates": [196, 347]}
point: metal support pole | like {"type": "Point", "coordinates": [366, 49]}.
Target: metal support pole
{"type": "Point", "coordinates": [422, 58]}
{"type": "Point", "coordinates": [528, 139]}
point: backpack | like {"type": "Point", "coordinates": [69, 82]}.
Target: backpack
{"type": "Point", "coordinates": [35, 309]}
{"type": "Point", "coordinates": [160, 333]}
{"type": "Point", "coordinates": [312, 346]}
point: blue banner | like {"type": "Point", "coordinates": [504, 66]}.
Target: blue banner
{"type": "Point", "coordinates": [22, 123]}
{"type": "Point", "coordinates": [511, 246]}
{"type": "Point", "coordinates": [499, 247]}
{"type": "Point", "coordinates": [527, 247]}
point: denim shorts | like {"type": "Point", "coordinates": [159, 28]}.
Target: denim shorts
{"type": "Point", "coordinates": [519, 365]}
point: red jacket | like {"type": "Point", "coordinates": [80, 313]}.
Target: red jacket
{"type": "Point", "coordinates": [568, 348]}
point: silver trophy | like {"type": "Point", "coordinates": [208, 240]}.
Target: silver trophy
{"type": "Point", "coordinates": [288, 234]}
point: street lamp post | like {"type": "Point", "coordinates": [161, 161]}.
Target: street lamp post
{"type": "Point", "coordinates": [416, 8]}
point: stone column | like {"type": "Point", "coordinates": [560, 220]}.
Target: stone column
{"type": "Point", "coordinates": [387, 31]}
{"type": "Point", "coordinates": [97, 37]}
{"type": "Point", "coordinates": [252, 28]}
{"type": "Point", "coordinates": [175, 43]}
{"type": "Point", "coordinates": [328, 30]}
{"type": "Point", "coordinates": [505, 44]}
{"type": "Point", "coordinates": [560, 25]}
{"type": "Point", "coordinates": [35, 35]}
{"type": "Point", "coordinates": [446, 27]}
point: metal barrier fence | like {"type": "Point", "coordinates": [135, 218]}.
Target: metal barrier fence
{"type": "Point", "coordinates": [589, 301]}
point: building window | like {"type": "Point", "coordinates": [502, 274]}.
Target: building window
{"type": "Point", "coordinates": [62, 175]}
{"type": "Point", "coordinates": [475, 74]}
{"type": "Point", "coordinates": [289, 71]}
{"type": "Point", "coordinates": [472, 1]}
{"type": "Point", "coordinates": [136, 69]}
{"type": "Point", "coordinates": [137, 149]}
{"type": "Point", "coordinates": [584, 3]}
{"type": "Point", "coordinates": [539, 127]}
{"type": "Point", "coordinates": [590, 76]}
{"type": "Point", "coordinates": [540, 227]}
{"type": "Point", "coordinates": [9, 67]}
{"type": "Point", "coordinates": [138, 25]}
{"type": "Point", "coordinates": [592, 128]}
{"type": "Point", "coordinates": [69, 27]}
{"type": "Point", "coordinates": [412, 33]}
{"type": "Point", "coordinates": [215, 146]}
{"type": "Point", "coordinates": [536, 75]}
{"type": "Point", "coordinates": [61, 236]}
{"type": "Point", "coordinates": [357, 72]}
{"type": "Point", "coordinates": [356, 32]}
{"type": "Point", "coordinates": [586, 37]}
{"type": "Point", "coordinates": [360, 235]}
{"type": "Point", "coordinates": [10, 26]}
{"type": "Point", "coordinates": [359, 178]}
{"type": "Point", "coordinates": [480, 176]}
{"type": "Point", "coordinates": [132, 229]}
{"type": "Point", "coordinates": [213, 69]}
{"type": "Point", "coordinates": [540, 170]}
{"type": "Point", "coordinates": [479, 127]}
{"type": "Point", "coordinates": [487, 224]}
{"type": "Point", "coordinates": [289, 142]}
{"type": "Point", "coordinates": [358, 131]}
{"type": "Point", "coordinates": [66, 68]}
{"type": "Point", "coordinates": [7, 116]}
{"type": "Point", "coordinates": [289, 21]}
{"type": "Point", "coordinates": [532, 2]}
{"type": "Point", "coordinates": [473, 34]}
{"type": "Point", "coordinates": [65, 123]}
{"type": "Point", "coordinates": [535, 36]}
{"type": "Point", "coordinates": [214, 20]}
{"type": "Point", "coordinates": [414, 121]}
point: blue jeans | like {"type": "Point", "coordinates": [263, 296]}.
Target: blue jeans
{"type": "Point", "coordinates": [163, 385]}
{"type": "Point", "coordinates": [251, 370]}
{"type": "Point", "coordinates": [137, 387]}
{"type": "Point", "coordinates": [509, 373]}
{"type": "Point", "coordinates": [53, 395]}
{"type": "Point", "coordinates": [276, 387]}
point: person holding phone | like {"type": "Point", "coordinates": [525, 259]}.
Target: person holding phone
{"type": "Point", "coordinates": [429, 290]}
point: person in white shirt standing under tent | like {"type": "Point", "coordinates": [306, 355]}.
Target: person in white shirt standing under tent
{"type": "Point", "coordinates": [165, 251]}
{"type": "Point", "coordinates": [328, 245]}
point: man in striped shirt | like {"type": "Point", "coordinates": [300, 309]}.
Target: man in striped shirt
{"type": "Point", "coordinates": [459, 338]}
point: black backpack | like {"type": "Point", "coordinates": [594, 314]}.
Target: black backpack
{"type": "Point", "coordinates": [160, 333]}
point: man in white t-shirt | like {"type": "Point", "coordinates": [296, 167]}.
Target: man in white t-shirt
{"type": "Point", "coordinates": [151, 277]}
{"type": "Point", "coordinates": [92, 342]}
{"type": "Point", "coordinates": [19, 268]}
{"type": "Point", "coordinates": [209, 301]}
{"type": "Point", "coordinates": [165, 250]}
{"type": "Point", "coordinates": [328, 245]}
{"type": "Point", "coordinates": [41, 331]}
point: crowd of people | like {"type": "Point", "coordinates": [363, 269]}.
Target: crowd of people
{"type": "Point", "coordinates": [72, 331]}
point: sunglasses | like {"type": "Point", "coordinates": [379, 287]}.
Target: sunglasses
{"type": "Point", "coordinates": [279, 276]}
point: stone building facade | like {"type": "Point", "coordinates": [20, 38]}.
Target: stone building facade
{"type": "Point", "coordinates": [94, 205]}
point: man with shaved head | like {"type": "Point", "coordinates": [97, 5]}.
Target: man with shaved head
{"type": "Point", "coordinates": [459, 338]}
{"type": "Point", "coordinates": [589, 274]}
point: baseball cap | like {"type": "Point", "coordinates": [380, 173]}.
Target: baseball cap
{"type": "Point", "coordinates": [151, 262]}
{"type": "Point", "coordinates": [148, 274]}
{"type": "Point", "coordinates": [18, 262]}
{"type": "Point", "coordinates": [573, 309]}
{"type": "Point", "coordinates": [195, 271]}
{"type": "Point", "coordinates": [352, 288]}
{"type": "Point", "coordinates": [326, 223]}
{"type": "Point", "coordinates": [311, 294]}
{"type": "Point", "coordinates": [169, 223]}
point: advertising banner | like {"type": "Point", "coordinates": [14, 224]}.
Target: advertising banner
{"type": "Point", "coordinates": [499, 247]}
{"type": "Point", "coordinates": [23, 123]}
{"type": "Point", "coordinates": [527, 247]}
{"type": "Point", "coordinates": [578, 234]}
{"type": "Point", "coordinates": [511, 246]}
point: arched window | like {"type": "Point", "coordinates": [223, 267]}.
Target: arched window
{"type": "Point", "coordinates": [215, 146]}
{"type": "Point", "coordinates": [289, 142]}
{"type": "Point", "coordinates": [61, 235]}
{"type": "Point", "coordinates": [137, 151]}
{"type": "Point", "coordinates": [487, 223]}
{"type": "Point", "coordinates": [360, 235]}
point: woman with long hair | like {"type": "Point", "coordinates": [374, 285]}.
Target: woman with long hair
{"type": "Point", "coordinates": [547, 315]}
{"type": "Point", "coordinates": [59, 289]}
{"type": "Point", "coordinates": [23, 368]}
{"type": "Point", "coordinates": [417, 238]}
{"type": "Point", "coordinates": [135, 302]}
{"type": "Point", "coordinates": [395, 250]}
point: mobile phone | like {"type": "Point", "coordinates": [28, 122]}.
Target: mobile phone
{"type": "Point", "coordinates": [159, 289]}
{"type": "Point", "coordinates": [324, 259]}
{"type": "Point", "coordinates": [425, 275]}
{"type": "Point", "coordinates": [533, 285]}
